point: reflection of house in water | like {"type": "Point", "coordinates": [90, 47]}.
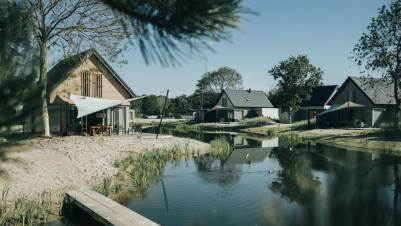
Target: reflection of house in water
{"type": "Point", "coordinates": [241, 141]}
{"type": "Point", "coordinates": [256, 151]}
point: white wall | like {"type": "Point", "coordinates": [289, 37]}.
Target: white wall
{"type": "Point", "coordinates": [270, 112]}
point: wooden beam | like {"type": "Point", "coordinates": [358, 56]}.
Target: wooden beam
{"type": "Point", "coordinates": [105, 210]}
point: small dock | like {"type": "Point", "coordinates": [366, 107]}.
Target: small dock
{"type": "Point", "coordinates": [105, 210]}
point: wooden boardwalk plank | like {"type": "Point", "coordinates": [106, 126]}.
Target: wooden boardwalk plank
{"type": "Point", "coordinates": [105, 210]}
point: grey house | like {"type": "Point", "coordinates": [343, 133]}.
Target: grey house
{"type": "Point", "coordinates": [236, 105]}
{"type": "Point", "coordinates": [360, 102]}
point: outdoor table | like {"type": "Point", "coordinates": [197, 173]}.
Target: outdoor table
{"type": "Point", "coordinates": [100, 130]}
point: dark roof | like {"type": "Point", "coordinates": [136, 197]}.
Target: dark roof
{"type": "Point", "coordinates": [248, 98]}
{"type": "Point", "coordinates": [66, 66]}
{"type": "Point", "coordinates": [378, 91]}
{"type": "Point", "coordinates": [320, 96]}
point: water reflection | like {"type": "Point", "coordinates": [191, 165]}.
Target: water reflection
{"type": "Point", "coordinates": [295, 180]}
{"type": "Point", "coordinates": [357, 186]}
{"type": "Point", "coordinates": [273, 182]}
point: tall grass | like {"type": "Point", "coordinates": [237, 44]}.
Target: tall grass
{"type": "Point", "coordinates": [271, 132]}
{"type": "Point", "coordinates": [220, 148]}
{"type": "Point", "coordinates": [292, 137]}
{"type": "Point", "coordinates": [259, 121]}
{"type": "Point", "coordinates": [25, 211]}
{"type": "Point", "coordinates": [303, 125]}
{"type": "Point", "coordinates": [147, 167]}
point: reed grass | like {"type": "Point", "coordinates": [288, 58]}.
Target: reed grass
{"type": "Point", "coordinates": [143, 169]}
{"type": "Point", "coordinates": [220, 148]}
{"type": "Point", "coordinates": [25, 211]}
{"type": "Point", "coordinates": [259, 121]}
{"type": "Point", "coordinates": [292, 137]}
{"type": "Point", "coordinates": [271, 132]}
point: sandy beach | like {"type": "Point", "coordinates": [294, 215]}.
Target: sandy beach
{"type": "Point", "coordinates": [30, 167]}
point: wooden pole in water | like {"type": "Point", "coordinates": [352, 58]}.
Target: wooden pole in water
{"type": "Point", "coordinates": [163, 112]}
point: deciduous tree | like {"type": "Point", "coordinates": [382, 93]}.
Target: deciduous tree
{"type": "Point", "coordinates": [72, 25]}
{"type": "Point", "coordinates": [295, 79]}
{"type": "Point", "coordinates": [220, 79]}
{"type": "Point", "coordinates": [379, 49]}
{"type": "Point", "coordinates": [163, 30]}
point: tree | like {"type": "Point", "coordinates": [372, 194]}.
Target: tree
{"type": "Point", "coordinates": [178, 106]}
{"type": "Point", "coordinates": [274, 97]}
{"type": "Point", "coordinates": [222, 78]}
{"type": "Point", "coordinates": [72, 26]}
{"type": "Point", "coordinates": [296, 78]}
{"type": "Point", "coordinates": [17, 65]}
{"type": "Point", "coordinates": [211, 84]}
{"type": "Point", "coordinates": [379, 49]}
{"type": "Point", "coordinates": [149, 105]}
{"type": "Point", "coordinates": [160, 27]}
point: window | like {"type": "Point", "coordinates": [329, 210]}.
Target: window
{"type": "Point", "coordinates": [224, 102]}
{"type": "Point", "coordinates": [98, 85]}
{"type": "Point", "coordinates": [85, 84]}
{"type": "Point", "coordinates": [91, 85]}
{"type": "Point", "coordinates": [351, 96]}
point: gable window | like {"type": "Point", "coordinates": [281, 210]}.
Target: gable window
{"type": "Point", "coordinates": [98, 85]}
{"type": "Point", "coordinates": [91, 84]}
{"type": "Point", "coordinates": [85, 84]}
{"type": "Point", "coordinates": [351, 96]}
{"type": "Point", "coordinates": [224, 102]}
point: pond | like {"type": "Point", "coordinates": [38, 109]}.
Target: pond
{"type": "Point", "coordinates": [267, 181]}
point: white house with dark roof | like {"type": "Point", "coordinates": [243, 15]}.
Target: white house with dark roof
{"type": "Point", "coordinates": [360, 102]}
{"type": "Point", "coordinates": [236, 105]}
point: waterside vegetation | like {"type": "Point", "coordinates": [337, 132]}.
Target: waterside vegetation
{"type": "Point", "coordinates": [220, 148]}
{"type": "Point", "coordinates": [137, 172]}
{"type": "Point", "coordinates": [27, 211]}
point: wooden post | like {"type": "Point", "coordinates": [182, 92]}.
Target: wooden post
{"type": "Point", "coordinates": [163, 112]}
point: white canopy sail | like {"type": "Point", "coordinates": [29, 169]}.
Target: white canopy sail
{"type": "Point", "coordinates": [89, 105]}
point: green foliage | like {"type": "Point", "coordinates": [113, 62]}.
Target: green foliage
{"type": "Point", "coordinates": [303, 125]}
{"type": "Point", "coordinates": [147, 167]}
{"type": "Point", "coordinates": [19, 99]}
{"type": "Point", "coordinates": [259, 121]}
{"type": "Point", "coordinates": [207, 98]}
{"type": "Point", "coordinates": [379, 49]}
{"type": "Point", "coordinates": [25, 211]}
{"type": "Point", "coordinates": [272, 132]}
{"type": "Point", "coordinates": [292, 137]}
{"type": "Point", "coordinates": [152, 105]}
{"type": "Point", "coordinates": [296, 78]}
{"type": "Point", "coordinates": [18, 90]}
{"type": "Point", "coordinates": [208, 88]}
{"type": "Point", "coordinates": [167, 30]}
{"type": "Point", "coordinates": [15, 32]}
{"type": "Point", "coordinates": [179, 105]}
{"type": "Point", "coordinates": [220, 148]}
{"type": "Point", "coordinates": [220, 79]}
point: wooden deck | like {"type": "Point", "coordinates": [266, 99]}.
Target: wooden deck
{"type": "Point", "coordinates": [105, 210]}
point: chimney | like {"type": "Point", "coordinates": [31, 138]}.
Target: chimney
{"type": "Point", "coordinates": [249, 90]}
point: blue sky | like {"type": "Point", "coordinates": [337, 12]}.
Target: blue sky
{"type": "Point", "coordinates": [325, 30]}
